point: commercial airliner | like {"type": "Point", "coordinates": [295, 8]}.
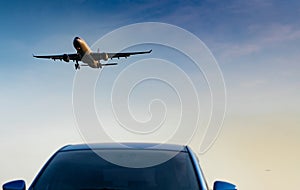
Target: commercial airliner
{"type": "Point", "coordinates": [88, 57]}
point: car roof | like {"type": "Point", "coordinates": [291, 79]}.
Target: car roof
{"type": "Point", "coordinates": [135, 146]}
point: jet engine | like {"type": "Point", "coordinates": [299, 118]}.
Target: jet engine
{"type": "Point", "coordinates": [104, 56]}
{"type": "Point", "coordinates": [66, 58]}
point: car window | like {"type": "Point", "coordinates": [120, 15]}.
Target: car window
{"type": "Point", "coordinates": [85, 170]}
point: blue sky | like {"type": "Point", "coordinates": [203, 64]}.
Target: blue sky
{"type": "Point", "coordinates": [256, 44]}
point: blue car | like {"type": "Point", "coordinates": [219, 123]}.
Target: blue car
{"type": "Point", "coordinates": [121, 166]}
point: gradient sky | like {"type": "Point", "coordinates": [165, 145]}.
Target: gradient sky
{"type": "Point", "coordinates": [256, 44]}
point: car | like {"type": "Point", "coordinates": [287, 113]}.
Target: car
{"type": "Point", "coordinates": [114, 166]}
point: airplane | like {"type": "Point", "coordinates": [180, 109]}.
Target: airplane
{"type": "Point", "coordinates": [85, 55]}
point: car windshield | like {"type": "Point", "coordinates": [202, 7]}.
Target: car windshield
{"type": "Point", "coordinates": [86, 170]}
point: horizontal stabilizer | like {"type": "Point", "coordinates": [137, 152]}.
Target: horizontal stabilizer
{"type": "Point", "coordinates": [109, 64]}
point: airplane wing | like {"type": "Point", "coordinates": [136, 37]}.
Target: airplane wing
{"type": "Point", "coordinates": [65, 57]}
{"type": "Point", "coordinates": [98, 56]}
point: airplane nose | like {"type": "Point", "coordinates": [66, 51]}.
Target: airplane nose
{"type": "Point", "coordinates": [76, 42]}
{"type": "Point", "coordinates": [76, 38]}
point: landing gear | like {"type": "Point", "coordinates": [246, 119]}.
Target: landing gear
{"type": "Point", "coordinates": [77, 66]}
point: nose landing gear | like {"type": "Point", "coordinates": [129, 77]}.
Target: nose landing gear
{"type": "Point", "coordinates": [77, 66]}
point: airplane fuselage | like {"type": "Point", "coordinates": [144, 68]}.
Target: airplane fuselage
{"type": "Point", "coordinates": [84, 51]}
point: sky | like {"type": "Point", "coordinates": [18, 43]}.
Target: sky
{"type": "Point", "coordinates": [255, 43]}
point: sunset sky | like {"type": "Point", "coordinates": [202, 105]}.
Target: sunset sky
{"type": "Point", "coordinates": [255, 43]}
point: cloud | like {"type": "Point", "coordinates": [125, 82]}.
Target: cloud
{"type": "Point", "coordinates": [263, 38]}
{"type": "Point", "coordinates": [277, 32]}
{"type": "Point", "coordinates": [230, 51]}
